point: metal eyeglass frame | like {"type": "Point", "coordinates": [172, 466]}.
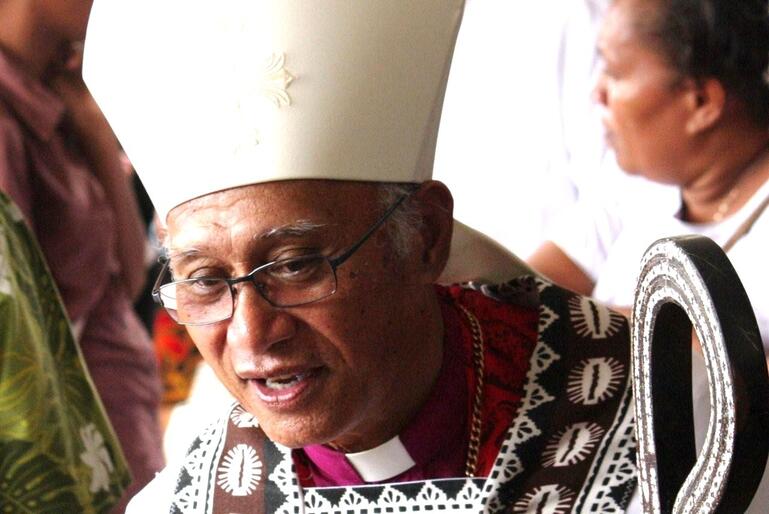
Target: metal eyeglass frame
{"type": "Point", "coordinates": [334, 263]}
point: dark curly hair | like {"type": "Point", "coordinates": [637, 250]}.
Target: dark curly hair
{"type": "Point", "coordinates": [723, 39]}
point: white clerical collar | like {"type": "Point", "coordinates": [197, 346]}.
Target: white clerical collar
{"type": "Point", "coordinates": [387, 460]}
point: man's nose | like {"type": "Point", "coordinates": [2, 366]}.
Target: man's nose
{"type": "Point", "coordinates": [256, 324]}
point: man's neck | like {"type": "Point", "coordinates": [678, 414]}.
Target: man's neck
{"type": "Point", "coordinates": [417, 451]}
{"type": "Point", "coordinates": [419, 370]}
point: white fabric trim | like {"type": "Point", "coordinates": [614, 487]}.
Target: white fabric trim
{"type": "Point", "coordinates": [383, 462]}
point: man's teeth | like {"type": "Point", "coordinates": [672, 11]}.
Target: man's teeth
{"type": "Point", "coordinates": [283, 382]}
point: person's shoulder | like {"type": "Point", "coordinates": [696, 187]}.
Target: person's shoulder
{"type": "Point", "coordinates": [521, 291]}
{"type": "Point", "coordinates": [535, 293]}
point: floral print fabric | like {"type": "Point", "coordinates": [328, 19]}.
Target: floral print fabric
{"type": "Point", "coordinates": [58, 453]}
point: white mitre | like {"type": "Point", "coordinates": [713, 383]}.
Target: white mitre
{"type": "Point", "coordinates": [206, 96]}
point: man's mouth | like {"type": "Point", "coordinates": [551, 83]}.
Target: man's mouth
{"type": "Point", "coordinates": [284, 382]}
{"type": "Point", "coordinates": [287, 389]}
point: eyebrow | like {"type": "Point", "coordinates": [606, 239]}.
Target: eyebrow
{"type": "Point", "coordinates": [297, 229]}
{"type": "Point", "coordinates": [180, 255]}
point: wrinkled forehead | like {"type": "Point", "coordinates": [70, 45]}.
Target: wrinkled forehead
{"type": "Point", "coordinates": [271, 206]}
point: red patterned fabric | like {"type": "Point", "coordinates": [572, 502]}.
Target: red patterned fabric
{"type": "Point", "coordinates": [509, 334]}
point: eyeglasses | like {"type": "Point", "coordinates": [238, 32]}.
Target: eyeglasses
{"type": "Point", "coordinates": [282, 283]}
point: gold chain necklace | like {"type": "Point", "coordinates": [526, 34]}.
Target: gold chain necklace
{"type": "Point", "coordinates": [725, 205]}
{"type": "Point", "coordinates": [473, 446]}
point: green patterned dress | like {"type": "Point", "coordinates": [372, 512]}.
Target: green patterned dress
{"type": "Point", "coordinates": [58, 453]}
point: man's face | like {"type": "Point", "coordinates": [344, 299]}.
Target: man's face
{"type": "Point", "coordinates": [332, 371]}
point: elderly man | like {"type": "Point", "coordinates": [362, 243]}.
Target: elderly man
{"type": "Point", "coordinates": [288, 146]}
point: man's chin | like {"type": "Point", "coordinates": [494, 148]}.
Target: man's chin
{"type": "Point", "coordinates": [298, 413]}
{"type": "Point", "coordinates": [295, 429]}
{"type": "Point", "coordinates": [294, 434]}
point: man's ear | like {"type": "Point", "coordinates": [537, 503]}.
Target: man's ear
{"type": "Point", "coordinates": [436, 205]}
{"type": "Point", "coordinates": [706, 101]}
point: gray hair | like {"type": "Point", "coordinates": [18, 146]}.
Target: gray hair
{"type": "Point", "coordinates": [406, 221]}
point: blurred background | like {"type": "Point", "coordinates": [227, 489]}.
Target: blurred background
{"type": "Point", "coordinates": [501, 119]}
